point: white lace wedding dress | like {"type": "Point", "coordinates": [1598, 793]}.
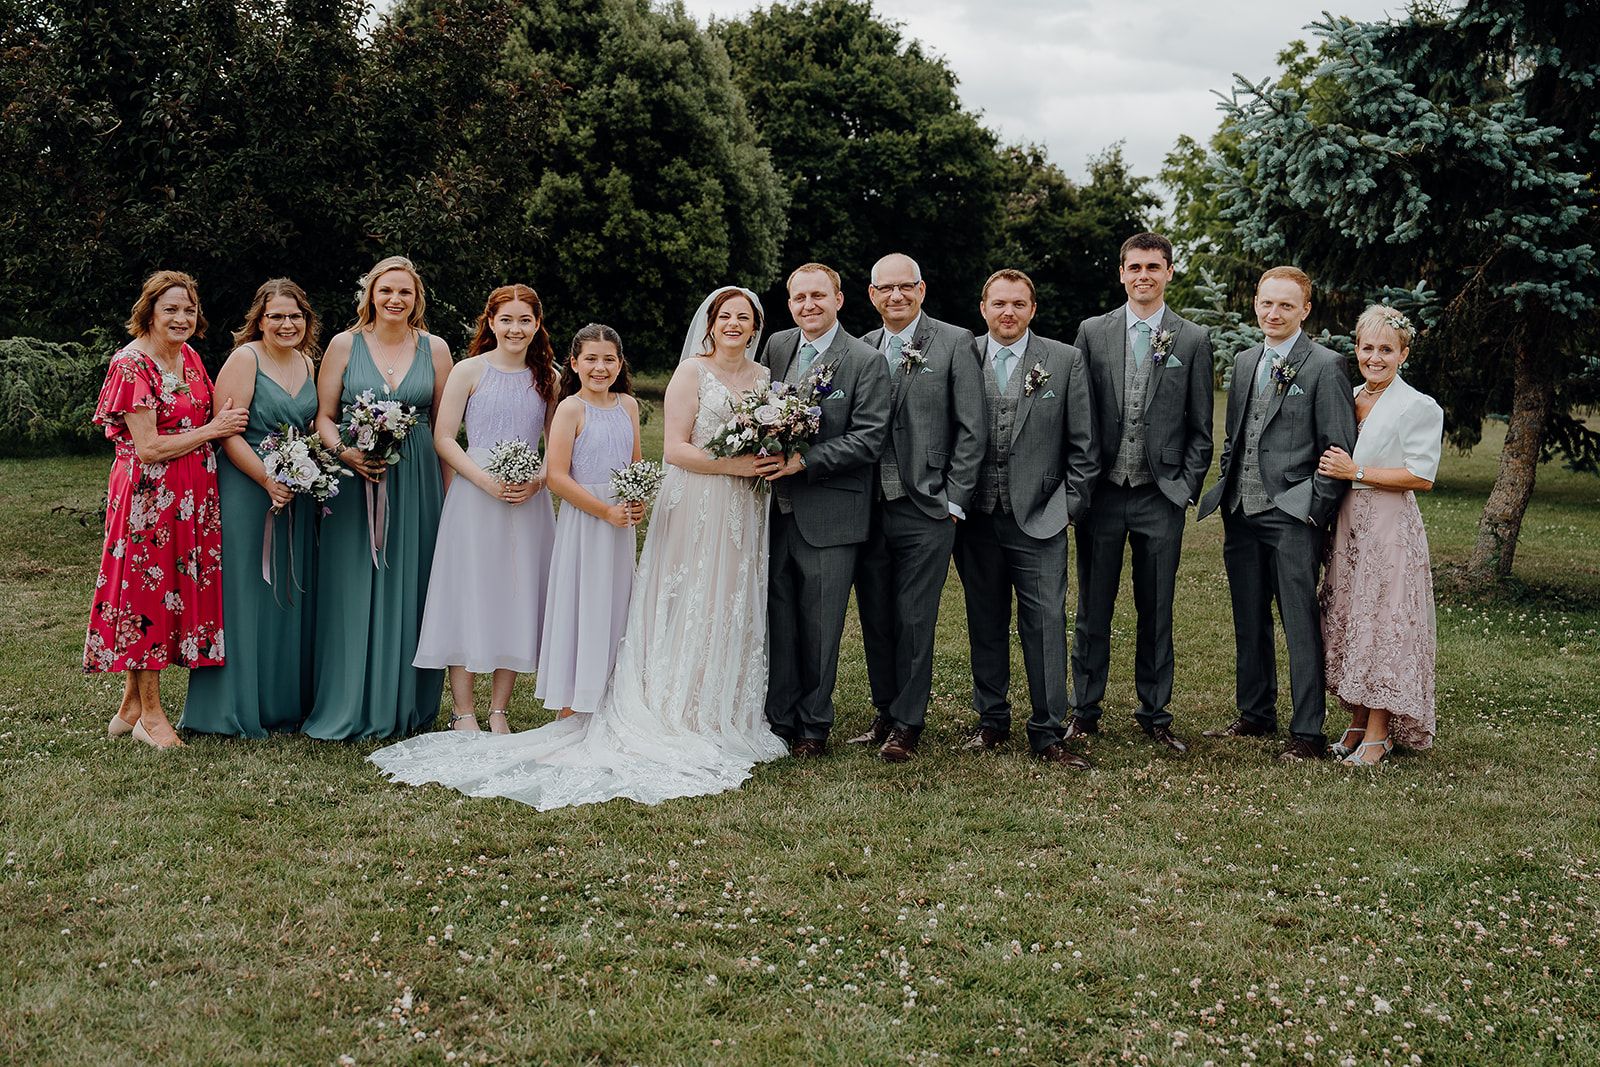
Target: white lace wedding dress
{"type": "Point", "coordinates": [683, 715]}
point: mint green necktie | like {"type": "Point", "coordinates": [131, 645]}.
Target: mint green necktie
{"type": "Point", "coordinates": [1141, 343]}
{"type": "Point", "coordinates": [1263, 370]}
{"type": "Point", "coordinates": [1002, 367]}
{"type": "Point", "coordinates": [808, 356]}
{"type": "Point", "coordinates": [895, 345]}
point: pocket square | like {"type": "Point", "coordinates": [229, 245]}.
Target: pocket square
{"type": "Point", "coordinates": [1295, 390]}
{"type": "Point", "coordinates": [1048, 393]}
{"type": "Point", "coordinates": [837, 394]}
{"type": "Point", "coordinates": [927, 370]}
{"type": "Point", "coordinates": [1174, 361]}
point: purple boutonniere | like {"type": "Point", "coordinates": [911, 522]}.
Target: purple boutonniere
{"type": "Point", "coordinates": [820, 381]}
{"type": "Point", "coordinates": [1283, 372]}
{"type": "Point", "coordinates": [1161, 346]}
{"type": "Point", "coordinates": [1036, 379]}
{"type": "Point", "coordinates": [911, 358]}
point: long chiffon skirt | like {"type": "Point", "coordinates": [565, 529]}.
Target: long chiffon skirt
{"type": "Point", "coordinates": [591, 575]}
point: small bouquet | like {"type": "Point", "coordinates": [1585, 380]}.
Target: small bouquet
{"type": "Point", "coordinates": [302, 462]}
{"type": "Point", "coordinates": [637, 483]}
{"type": "Point", "coordinates": [768, 420]}
{"type": "Point", "coordinates": [514, 462]}
{"type": "Point", "coordinates": [378, 427]}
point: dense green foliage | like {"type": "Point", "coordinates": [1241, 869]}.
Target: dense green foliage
{"type": "Point", "coordinates": [48, 393]}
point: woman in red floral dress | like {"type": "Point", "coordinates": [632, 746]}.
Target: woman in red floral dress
{"type": "Point", "coordinates": [158, 600]}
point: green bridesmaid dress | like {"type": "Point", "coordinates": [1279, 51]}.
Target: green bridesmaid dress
{"type": "Point", "coordinates": [368, 615]}
{"type": "Point", "coordinates": [265, 686]}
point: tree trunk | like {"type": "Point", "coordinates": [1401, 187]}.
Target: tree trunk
{"type": "Point", "coordinates": [1533, 392]}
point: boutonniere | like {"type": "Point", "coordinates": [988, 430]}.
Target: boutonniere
{"type": "Point", "coordinates": [820, 381]}
{"type": "Point", "coordinates": [912, 358]}
{"type": "Point", "coordinates": [173, 386]}
{"type": "Point", "coordinates": [1161, 346]}
{"type": "Point", "coordinates": [1036, 379]}
{"type": "Point", "coordinates": [1283, 372]}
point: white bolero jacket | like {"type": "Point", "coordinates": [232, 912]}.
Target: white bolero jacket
{"type": "Point", "coordinates": [1405, 428]}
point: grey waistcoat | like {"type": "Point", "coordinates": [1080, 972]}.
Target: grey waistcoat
{"type": "Point", "coordinates": [1130, 467]}
{"type": "Point", "coordinates": [889, 465]}
{"type": "Point", "coordinates": [994, 476]}
{"type": "Point", "coordinates": [1246, 490]}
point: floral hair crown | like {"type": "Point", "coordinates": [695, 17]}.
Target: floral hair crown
{"type": "Point", "coordinates": [1397, 322]}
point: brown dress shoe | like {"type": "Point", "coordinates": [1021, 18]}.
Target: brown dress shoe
{"type": "Point", "coordinates": [1163, 736]}
{"type": "Point", "coordinates": [1300, 749]}
{"type": "Point", "coordinates": [986, 737]}
{"type": "Point", "coordinates": [1059, 753]}
{"type": "Point", "coordinates": [1078, 727]}
{"type": "Point", "coordinates": [900, 745]}
{"type": "Point", "coordinates": [808, 748]}
{"type": "Point", "coordinates": [876, 734]}
{"type": "Point", "coordinates": [1242, 727]}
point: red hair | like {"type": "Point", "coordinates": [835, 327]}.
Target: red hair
{"type": "Point", "coordinates": [541, 357]}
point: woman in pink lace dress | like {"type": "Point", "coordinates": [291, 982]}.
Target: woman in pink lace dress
{"type": "Point", "coordinates": [1377, 596]}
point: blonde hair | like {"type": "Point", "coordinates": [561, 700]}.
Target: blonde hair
{"type": "Point", "coordinates": [822, 268]}
{"type": "Point", "coordinates": [1381, 317]}
{"type": "Point", "coordinates": [251, 330]}
{"type": "Point", "coordinates": [1293, 274]}
{"type": "Point", "coordinates": [143, 315]}
{"type": "Point", "coordinates": [366, 313]}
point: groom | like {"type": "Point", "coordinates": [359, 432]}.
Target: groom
{"type": "Point", "coordinates": [1288, 401]}
{"type": "Point", "coordinates": [821, 505]}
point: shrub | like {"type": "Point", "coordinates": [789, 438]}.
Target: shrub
{"type": "Point", "coordinates": [47, 396]}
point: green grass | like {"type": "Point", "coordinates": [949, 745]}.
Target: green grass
{"type": "Point", "coordinates": [278, 902]}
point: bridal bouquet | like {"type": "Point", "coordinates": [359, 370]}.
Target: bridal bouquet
{"type": "Point", "coordinates": [637, 483]}
{"type": "Point", "coordinates": [302, 462]}
{"type": "Point", "coordinates": [768, 420]}
{"type": "Point", "coordinates": [514, 462]}
{"type": "Point", "coordinates": [378, 427]}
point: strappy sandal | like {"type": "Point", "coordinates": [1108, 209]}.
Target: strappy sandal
{"type": "Point", "coordinates": [504, 725]}
{"type": "Point", "coordinates": [1339, 749]}
{"type": "Point", "coordinates": [1354, 758]}
{"type": "Point", "coordinates": [463, 718]}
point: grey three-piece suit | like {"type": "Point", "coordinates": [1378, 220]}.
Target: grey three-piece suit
{"type": "Point", "coordinates": [1154, 438]}
{"type": "Point", "coordinates": [1037, 475]}
{"type": "Point", "coordinates": [1275, 508]}
{"type": "Point", "coordinates": [820, 517]}
{"type": "Point", "coordinates": [936, 444]}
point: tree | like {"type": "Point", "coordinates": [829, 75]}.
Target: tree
{"type": "Point", "coordinates": [1444, 160]}
{"type": "Point", "coordinates": [874, 148]}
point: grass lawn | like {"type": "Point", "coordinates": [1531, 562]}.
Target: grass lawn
{"type": "Point", "coordinates": [279, 902]}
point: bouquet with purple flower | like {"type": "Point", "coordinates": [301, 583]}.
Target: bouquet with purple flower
{"type": "Point", "coordinates": [378, 428]}
{"type": "Point", "coordinates": [769, 420]}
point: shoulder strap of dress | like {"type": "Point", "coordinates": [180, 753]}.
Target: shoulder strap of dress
{"type": "Point", "coordinates": [257, 356]}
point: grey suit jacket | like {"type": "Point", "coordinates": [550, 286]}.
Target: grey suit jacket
{"type": "Point", "coordinates": [1054, 457]}
{"type": "Point", "coordinates": [1177, 406]}
{"type": "Point", "coordinates": [1313, 411]}
{"type": "Point", "coordinates": [832, 497]}
{"type": "Point", "coordinates": [937, 425]}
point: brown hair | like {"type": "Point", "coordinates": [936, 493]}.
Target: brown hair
{"type": "Point", "coordinates": [143, 315]}
{"type": "Point", "coordinates": [833, 275]}
{"type": "Point", "coordinates": [276, 287]}
{"type": "Point", "coordinates": [1293, 274]}
{"type": "Point", "coordinates": [541, 356]}
{"type": "Point", "coordinates": [716, 308]}
{"type": "Point", "coordinates": [366, 314]}
{"type": "Point", "coordinates": [1009, 274]}
{"type": "Point", "coordinates": [595, 331]}
{"type": "Point", "coordinates": [1146, 242]}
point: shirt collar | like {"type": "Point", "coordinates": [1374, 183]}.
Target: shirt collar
{"type": "Point", "coordinates": [1284, 348]}
{"type": "Point", "coordinates": [1154, 320]}
{"type": "Point", "coordinates": [907, 335]}
{"type": "Point", "coordinates": [822, 343]}
{"type": "Point", "coordinates": [1018, 347]}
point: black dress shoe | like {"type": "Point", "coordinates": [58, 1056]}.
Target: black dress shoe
{"type": "Point", "coordinates": [1300, 749]}
{"type": "Point", "coordinates": [808, 748]}
{"type": "Point", "coordinates": [1163, 736]}
{"type": "Point", "coordinates": [1079, 727]}
{"type": "Point", "coordinates": [1243, 727]}
{"type": "Point", "coordinates": [876, 734]}
{"type": "Point", "coordinates": [900, 745]}
{"type": "Point", "coordinates": [1059, 753]}
{"type": "Point", "coordinates": [986, 737]}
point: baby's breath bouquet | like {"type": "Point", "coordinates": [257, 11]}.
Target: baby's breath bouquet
{"type": "Point", "coordinates": [637, 483]}
{"type": "Point", "coordinates": [514, 462]}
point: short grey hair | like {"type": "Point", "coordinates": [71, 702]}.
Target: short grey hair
{"type": "Point", "coordinates": [916, 271]}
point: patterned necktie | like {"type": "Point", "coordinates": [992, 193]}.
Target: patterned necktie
{"type": "Point", "coordinates": [895, 345]}
{"type": "Point", "coordinates": [1002, 367]}
{"type": "Point", "coordinates": [1141, 342]}
{"type": "Point", "coordinates": [1263, 370]}
{"type": "Point", "coordinates": [808, 355]}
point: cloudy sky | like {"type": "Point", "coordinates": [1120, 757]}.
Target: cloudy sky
{"type": "Point", "coordinates": [1077, 75]}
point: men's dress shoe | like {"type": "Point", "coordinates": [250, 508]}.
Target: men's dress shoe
{"type": "Point", "coordinates": [1078, 727]}
{"type": "Point", "coordinates": [900, 745]}
{"type": "Point", "coordinates": [876, 734]}
{"type": "Point", "coordinates": [1301, 749]}
{"type": "Point", "coordinates": [1163, 736]}
{"type": "Point", "coordinates": [808, 748]}
{"type": "Point", "coordinates": [1059, 753]}
{"type": "Point", "coordinates": [1243, 727]}
{"type": "Point", "coordinates": [986, 737]}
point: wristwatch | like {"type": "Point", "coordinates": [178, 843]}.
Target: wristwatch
{"type": "Point", "coordinates": [1361, 474]}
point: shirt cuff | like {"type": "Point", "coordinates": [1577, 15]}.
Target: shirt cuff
{"type": "Point", "coordinates": [955, 509]}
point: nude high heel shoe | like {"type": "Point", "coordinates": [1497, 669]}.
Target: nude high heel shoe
{"type": "Point", "coordinates": [159, 734]}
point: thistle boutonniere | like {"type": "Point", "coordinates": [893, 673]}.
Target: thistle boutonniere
{"type": "Point", "coordinates": [820, 381]}
{"type": "Point", "coordinates": [173, 386]}
{"type": "Point", "coordinates": [1161, 346]}
{"type": "Point", "coordinates": [1283, 372]}
{"type": "Point", "coordinates": [912, 359]}
{"type": "Point", "coordinates": [1037, 378]}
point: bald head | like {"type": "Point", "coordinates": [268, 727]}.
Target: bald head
{"type": "Point", "coordinates": [897, 290]}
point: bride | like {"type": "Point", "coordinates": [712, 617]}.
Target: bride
{"type": "Point", "coordinates": [682, 715]}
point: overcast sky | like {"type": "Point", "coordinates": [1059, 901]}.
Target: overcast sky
{"type": "Point", "coordinates": [1077, 75]}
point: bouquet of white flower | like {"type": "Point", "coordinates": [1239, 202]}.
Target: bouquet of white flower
{"type": "Point", "coordinates": [378, 427]}
{"type": "Point", "coordinates": [301, 461]}
{"type": "Point", "coordinates": [514, 462]}
{"type": "Point", "coordinates": [768, 420]}
{"type": "Point", "coordinates": [637, 483]}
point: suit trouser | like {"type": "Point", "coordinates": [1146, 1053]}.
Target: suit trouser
{"type": "Point", "coordinates": [808, 590]}
{"type": "Point", "coordinates": [1144, 518]}
{"type": "Point", "coordinates": [900, 575]}
{"type": "Point", "coordinates": [994, 558]}
{"type": "Point", "coordinates": [1274, 556]}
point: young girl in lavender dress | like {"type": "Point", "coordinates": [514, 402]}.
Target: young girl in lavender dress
{"type": "Point", "coordinates": [595, 432]}
{"type": "Point", "coordinates": [486, 595]}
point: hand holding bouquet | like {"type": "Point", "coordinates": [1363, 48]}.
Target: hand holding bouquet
{"type": "Point", "coordinates": [378, 427]}
{"type": "Point", "coordinates": [634, 486]}
{"type": "Point", "coordinates": [769, 420]}
{"type": "Point", "coordinates": [301, 463]}
{"type": "Point", "coordinates": [516, 465]}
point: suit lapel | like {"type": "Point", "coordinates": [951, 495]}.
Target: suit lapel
{"type": "Point", "coordinates": [920, 343]}
{"type": "Point", "coordinates": [1239, 399]}
{"type": "Point", "coordinates": [1157, 371]}
{"type": "Point", "coordinates": [1116, 346]}
{"type": "Point", "coordinates": [1297, 356]}
{"type": "Point", "coordinates": [1034, 354]}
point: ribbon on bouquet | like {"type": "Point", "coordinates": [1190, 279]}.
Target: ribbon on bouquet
{"type": "Point", "coordinates": [378, 520]}
{"type": "Point", "coordinates": [268, 561]}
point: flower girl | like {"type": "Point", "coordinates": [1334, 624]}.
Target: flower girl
{"type": "Point", "coordinates": [595, 433]}
{"type": "Point", "coordinates": [486, 595]}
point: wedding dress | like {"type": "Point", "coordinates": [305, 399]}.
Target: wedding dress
{"type": "Point", "coordinates": [684, 712]}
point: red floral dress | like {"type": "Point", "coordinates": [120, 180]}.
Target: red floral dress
{"type": "Point", "coordinates": [158, 600]}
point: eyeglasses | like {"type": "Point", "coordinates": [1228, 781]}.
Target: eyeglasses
{"type": "Point", "coordinates": [278, 318]}
{"type": "Point", "coordinates": [903, 288]}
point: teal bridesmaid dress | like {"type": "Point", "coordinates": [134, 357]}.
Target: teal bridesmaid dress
{"type": "Point", "coordinates": [368, 615]}
{"type": "Point", "coordinates": [265, 685]}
